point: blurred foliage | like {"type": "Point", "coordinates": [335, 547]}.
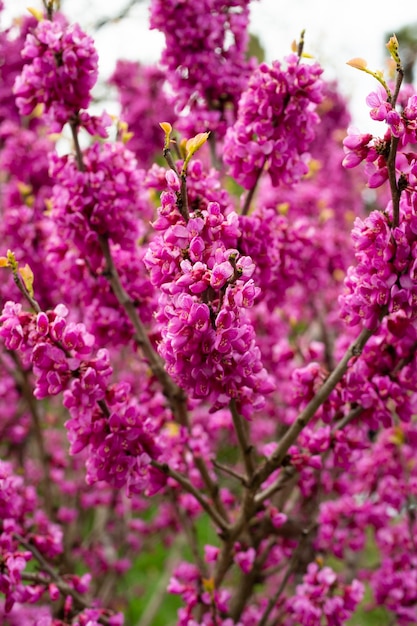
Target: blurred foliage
{"type": "Point", "coordinates": [144, 585]}
{"type": "Point", "coordinates": [255, 48]}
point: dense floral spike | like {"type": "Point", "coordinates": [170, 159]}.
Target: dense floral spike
{"type": "Point", "coordinates": [275, 124]}
{"type": "Point", "coordinates": [208, 341]}
{"type": "Point", "coordinates": [384, 278]}
{"type": "Point", "coordinates": [104, 198]}
{"type": "Point", "coordinates": [205, 59]}
{"type": "Point", "coordinates": [103, 419]}
{"type": "Point", "coordinates": [60, 72]}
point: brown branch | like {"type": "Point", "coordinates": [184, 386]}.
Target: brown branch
{"type": "Point", "coordinates": [395, 191]}
{"type": "Point", "coordinates": [291, 435]}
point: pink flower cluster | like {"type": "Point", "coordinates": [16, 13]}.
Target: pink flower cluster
{"type": "Point", "coordinates": [275, 124]}
{"type": "Point", "coordinates": [104, 197]}
{"type": "Point", "coordinates": [205, 58]}
{"type": "Point", "coordinates": [385, 277]}
{"type": "Point", "coordinates": [117, 432]}
{"type": "Point", "coordinates": [323, 599]}
{"type": "Point", "coordinates": [402, 125]}
{"type": "Point", "coordinates": [208, 341]}
{"type": "Point", "coordinates": [186, 582]}
{"type": "Point", "coordinates": [60, 72]}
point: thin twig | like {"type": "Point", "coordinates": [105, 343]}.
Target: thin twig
{"type": "Point", "coordinates": [245, 448]}
{"type": "Point", "coordinates": [286, 474]}
{"type": "Point", "coordinates": [230, 471]}
{"type": "Point", "coordinates": [349, 417]}
{"type": "Point", "coordinates": [188, 486]}
{"type": "Point", "coordinates": [251, 192]}
{"type": "Point", "coordinates": [116, 18]}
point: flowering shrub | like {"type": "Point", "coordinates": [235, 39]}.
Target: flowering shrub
{"type": "Point", "coordinates": [228, 379]}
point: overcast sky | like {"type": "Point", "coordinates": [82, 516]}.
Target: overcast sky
{"type": "Point", "coordinates": [336, 31]}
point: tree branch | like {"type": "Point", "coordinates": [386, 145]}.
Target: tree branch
{"type": "Point", "coordinates": [276, 459]}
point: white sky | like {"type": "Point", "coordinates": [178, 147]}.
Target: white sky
{"type": "Point", "coordinates": [336, 31]}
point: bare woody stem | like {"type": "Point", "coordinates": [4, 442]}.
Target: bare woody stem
{"type": "Point", "coordinates": [182, 200]}
{"type": "Point", "coordinates": [184, 197]}
{"type": "Point", "coordinates": [395, 190]}
{"type": "Point", "coordinates": [77, 147]}
{"type": "Point", "coordinates": [394, 187]}
{"type": "Point", "coordinates": [251, 192]}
